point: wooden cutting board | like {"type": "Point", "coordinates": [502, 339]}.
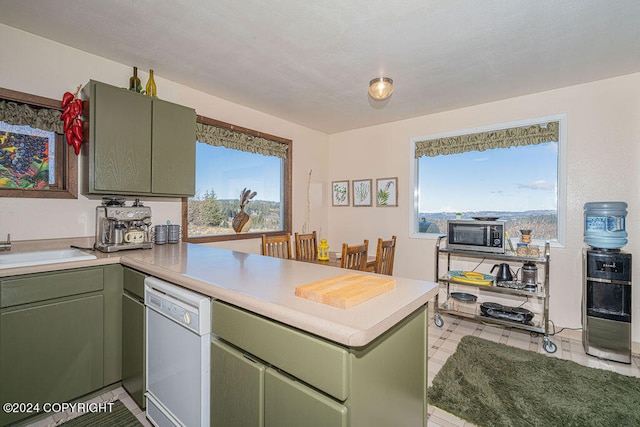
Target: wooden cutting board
{"type": "Point", "coordinates": [346, 290]}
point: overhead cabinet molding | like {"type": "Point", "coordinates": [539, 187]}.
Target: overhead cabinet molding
{"type": "Point", "coordinates": [138, 145]}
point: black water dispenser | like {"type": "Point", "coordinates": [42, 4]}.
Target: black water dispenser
{"type": "Point", "coordinates": [606, 315]}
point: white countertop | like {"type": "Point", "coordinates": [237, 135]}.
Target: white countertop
{"type": "Point", "coordinates": [266, 286]}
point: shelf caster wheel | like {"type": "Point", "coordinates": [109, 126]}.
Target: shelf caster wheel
{"type": "Point", "coordinates": [437, 319]}
{"type": "Point", "coordinates": [549, 346]}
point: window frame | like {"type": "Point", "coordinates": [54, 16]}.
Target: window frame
{"type": "Point", "coordinates": [286, 189]}
{"type": "Point", "coordinates": [562, 173]}
{"type": "Point", "coordinates": [66, 169]}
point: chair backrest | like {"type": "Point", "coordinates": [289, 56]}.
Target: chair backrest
{"type": "Point", "coordinates": [355, 257]}
{"type": "Point", "coordinates": [384, 256]}
{"type": "Point", "coordinates": [278, 246]}
{"type": "Point", "coordinates": [306, 245]}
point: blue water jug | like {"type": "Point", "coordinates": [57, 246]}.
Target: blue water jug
{"type": "Point", "coordinates": [605, 224]}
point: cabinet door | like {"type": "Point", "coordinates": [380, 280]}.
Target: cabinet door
{"type": "Point", "coordinates": [51, 353]}
{"type": "Point", "coordinates": [112, 323]}
{"type": "Point", "coordinates": [134, 282]}
{"type": "Point", "coordinates": [289, 403]}
{"type": "Point", "coordinates": [133, 349]}
{"type": "Point", "coordinates": [237, 388]}
{"type": "Point", "coordinates": [173, 134]}
{"type": "Point", "coordinates": [120, 123]}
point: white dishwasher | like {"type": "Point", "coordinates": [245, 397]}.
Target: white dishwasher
{"type": "Point", "coordinates": [178, 355]}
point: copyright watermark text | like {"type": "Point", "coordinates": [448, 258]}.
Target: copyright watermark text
{"type": "Point", "coordinates": [79, 407]}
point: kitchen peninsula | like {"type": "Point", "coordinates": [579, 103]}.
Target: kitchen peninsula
{"type": "Point", "coordinates": [366, 364]}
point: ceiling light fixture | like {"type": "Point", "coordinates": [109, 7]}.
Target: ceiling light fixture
{"type": "Point", "coordinates": [381, 88]}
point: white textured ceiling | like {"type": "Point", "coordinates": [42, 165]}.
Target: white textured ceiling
{"type": "Point", "coordinates": [310, 62]}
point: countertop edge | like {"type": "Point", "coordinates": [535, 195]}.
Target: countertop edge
{"type": "Point", "coordinates": [323, 327]}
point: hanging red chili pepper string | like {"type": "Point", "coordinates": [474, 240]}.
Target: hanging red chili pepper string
{"type": "Point", "coordinates": [71, 117]}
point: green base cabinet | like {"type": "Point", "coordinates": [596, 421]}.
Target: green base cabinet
{"type": "Point", "coordinates": [308, 381]}
{"type": "Point", "coordinates": [133, 336]}
{"type": "Point", "coordinates": [51, 352]}
{"type": "Point", "coordinates": [112, 323]}
{"type": "Point", "coordinates": [60, 336]}
{"type": "Point", "coordinates": [138, 145]}
{"type": "Point", "coordinates": [237, 387]}
{"type": "Point", "coordinates": [289, 403]}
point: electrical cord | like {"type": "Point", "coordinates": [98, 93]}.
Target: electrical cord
{"type": "Point", "coordinates": [561, 329]}
{"type": "Point", "coordinates": [479, 264]}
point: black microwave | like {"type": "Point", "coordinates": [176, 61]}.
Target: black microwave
{"type": "Point", "coordinates": [474, 235]}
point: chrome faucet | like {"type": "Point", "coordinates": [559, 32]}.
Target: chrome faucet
{"type": "Point", "coordinates": [6, 246]}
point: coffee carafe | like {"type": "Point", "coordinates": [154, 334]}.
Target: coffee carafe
{"type": "Point", "coordinates": [117, 231]}
{"type": "Point", "coordinates": [530, 273]}
{"type": "Point", "coordinates": [504, 272]}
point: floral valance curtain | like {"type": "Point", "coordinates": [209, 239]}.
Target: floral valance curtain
{"type": "Point", "coordinates": [221, 137]}
{"type": "Point", "coordinates": [24, 115]}
{"type": "Point", "coordinates": [503, 138]}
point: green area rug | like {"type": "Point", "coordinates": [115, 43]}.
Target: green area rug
{"type": "Point", "coordinates": [492, 384]}
{"type": "Point", "coordinates": [119, 416]}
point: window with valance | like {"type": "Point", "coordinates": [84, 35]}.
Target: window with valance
{"type": "Point", "coordinates": [514, 172]}
{"type": "Point", "coordinates": [229, 160]}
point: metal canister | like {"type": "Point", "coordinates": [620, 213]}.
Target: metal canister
{"type": "Point", "coordinates": [118, 233]}
{"type": "Point", "coordinates": [530, 273]}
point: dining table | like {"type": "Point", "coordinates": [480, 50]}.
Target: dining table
{"type": "Point", "coordinates": [334, 261]}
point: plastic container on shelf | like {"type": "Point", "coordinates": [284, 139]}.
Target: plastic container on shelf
{"type": "Point", "coordinates": [605, 224]}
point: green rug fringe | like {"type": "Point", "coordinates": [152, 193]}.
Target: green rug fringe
{"type": "Point", "coordinates": [119, 416]}
{"type": "Point", "coordinates": [494, 385]}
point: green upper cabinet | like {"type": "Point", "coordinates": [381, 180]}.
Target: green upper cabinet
{"type": "Point", "coordinates": [173, 160]}
{"type": "Point", "coordinates": [138, 145]}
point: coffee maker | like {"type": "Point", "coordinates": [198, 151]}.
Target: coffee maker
{"type": "Point", "coordinates": [120, 227]}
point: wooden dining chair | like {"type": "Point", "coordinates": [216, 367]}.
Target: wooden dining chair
{"type": "Point", "coordinates": [355, 257]}
{"type": "Point", "coordinates": [306, 245]}
{"type": "Point", "coordinates": [384, 256]}
{"type": "Point", "coordinates": [278, 246]}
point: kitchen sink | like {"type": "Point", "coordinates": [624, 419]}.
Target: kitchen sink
{"type": "Point", "coordinates": [26, 259]}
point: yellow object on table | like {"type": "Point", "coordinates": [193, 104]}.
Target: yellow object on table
{"type": "Point", "coordinates": [323, 250]}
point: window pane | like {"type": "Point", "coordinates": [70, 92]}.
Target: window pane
{"type": "Point", "coordinates": [27, 157]}
{"type": "Point", "coordinates": [221, 175]}
{"type": "Point", "coordinates": [517, 184]}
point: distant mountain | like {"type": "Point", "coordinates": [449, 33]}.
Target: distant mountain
{"type": "Point", "coordinates": [499, 214]}
{"type": "Point", "coordinates": [543, 222]}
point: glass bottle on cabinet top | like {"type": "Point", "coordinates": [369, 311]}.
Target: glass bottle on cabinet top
{"type": "Point", "coordinates": [151, 89]}
{"type": "Point", "coordinates": [134, 81]}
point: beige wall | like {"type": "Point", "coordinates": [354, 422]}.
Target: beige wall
{"type": "Point", "coordinates": [603, 157]}
{"type": "Point", "coordinates": [45, 68]}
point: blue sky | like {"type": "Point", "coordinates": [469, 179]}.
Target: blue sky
{"type": "Point", "coordinates": [514, 179]}
{"type": "Point", "coordinates": [228, 171]}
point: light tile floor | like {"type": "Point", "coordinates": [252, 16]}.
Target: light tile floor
{"type": "Point", "coordinates": [443, 342]}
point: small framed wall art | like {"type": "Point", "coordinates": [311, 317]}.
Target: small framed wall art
{"type": "Point", "coordinates": [387, 191]}
{"type": "Point", "coordinates": [361, 192]}
{"type": "Point", "coordinates": [340, 193]}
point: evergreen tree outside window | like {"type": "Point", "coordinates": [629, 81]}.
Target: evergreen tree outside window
{"type": "Point", "coordinates": [228, 160]}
